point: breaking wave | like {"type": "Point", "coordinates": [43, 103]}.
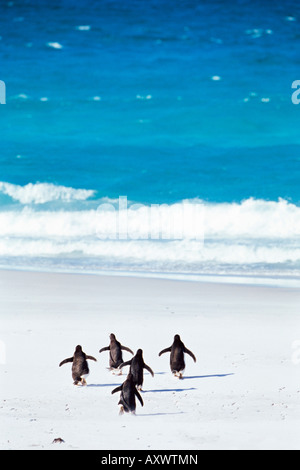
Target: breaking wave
{"type": "Point", "coordinates": [40, 193]}
{"type": "Point", "coordinates": [189, 236]}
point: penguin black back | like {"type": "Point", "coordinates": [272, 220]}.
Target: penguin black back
{"type": "Point", "coordinates": [177, 350]}
{"type": "Point", "coordinates": [137, 366]}
{"type": "Point", "coordinates": [115, 352]}
{"type": "Point", "coordinates": [129, 392]}
{"type": "Point", "coordinates": [80, 366]}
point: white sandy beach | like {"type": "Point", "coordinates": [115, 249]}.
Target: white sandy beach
{"type": "Point", "coordinates": [242, 393]}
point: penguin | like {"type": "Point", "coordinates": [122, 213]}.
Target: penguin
{"type": "Point", "coordinates": [177, 351]}
{"type": "Point", "coordinates": [115, 353]}
{"type": "Point", "coordinates": [80, 368]}
{"type": "Point", "coordinates": [127, 398]}
{"type": "Point", "coordinates": [137, 366]}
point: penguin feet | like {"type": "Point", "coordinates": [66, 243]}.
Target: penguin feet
{"type": "Point", "coordinates": [178, 375]}
{"type": "Point", "coordinates": [80, 382]}
{"type": "Point", "coordinates": [121, 412]}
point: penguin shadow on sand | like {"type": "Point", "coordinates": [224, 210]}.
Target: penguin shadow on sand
{"type": "Point", "coordinates": [102, 385]}
{"type": "Point", "coordinates": [210, 376]}
{"type": "Point", "coordinates": [161, 390]}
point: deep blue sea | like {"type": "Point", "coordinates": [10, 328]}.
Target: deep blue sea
{"type": "Point", "coordinates": [150, 136]}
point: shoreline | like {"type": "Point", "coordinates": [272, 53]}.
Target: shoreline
{"type": "Point", "coordinates": [292, 282]}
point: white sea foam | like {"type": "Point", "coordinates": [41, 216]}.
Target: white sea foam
{"type": "Point", "coordinates": [144, 97]}
{"type": "Point", "coordinates": [178, 255]}
{"type": "Point", "coordinates": [83, 28]}
{"type": "Point", "coordinates": [40, 193]}
{"type": "Point", "coordinates": [257, 32]}
{"type": "Point", "coordinates": [21, 96]}
{"type": "Point", "coordinates": [254, 232]}
{"type": "Point", "coordinates": [253, 219]}
{"type": "Point", "coordinates": [54, 45]}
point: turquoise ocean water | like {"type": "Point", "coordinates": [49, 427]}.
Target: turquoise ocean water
{"type": "Point", "coordinates": [181, 108]}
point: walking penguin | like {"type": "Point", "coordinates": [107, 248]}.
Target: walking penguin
{"type": "Point", "coordinates": [80, 368]}
{"type": "Point", "coordinates": [177, 350]}
{"type": "Point", "coordinates": [137, 366]}
{"type": "Point", "coordinates": [115, 352]}
{"type": "Point", "coordinates": [127, 398]}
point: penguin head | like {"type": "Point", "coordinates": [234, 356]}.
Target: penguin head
{"type": "Point", "coordinates": [78, 348]}
{"type": "Point", "coordinates": [112, 336]}
{"type": "Point", "coordinates": [139, 352]}
{"type": "Point", "coordinates": [176, 338]}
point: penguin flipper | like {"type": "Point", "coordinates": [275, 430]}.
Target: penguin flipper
{"type": "Point", "coordinates": [127, 363]}
{"type": "Point", "coordinates": [165, 351]}
{"type": "Point", "coordinates": [69, 359]}
{"type": "Point", "coordinates": [149, 369]}
{"type": "Point", "coordinates": [139, 397]}
{"type": "Point", "coordinates": [190, 354]}
{"type": "Point", "coordinates": [126, 349]}
{"type": "Point", "coordinates": [91, 358]}
{"type": "Point", "coordinates": [107, 348]}
{"type": "Point", "coordinates": [118, 389]}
